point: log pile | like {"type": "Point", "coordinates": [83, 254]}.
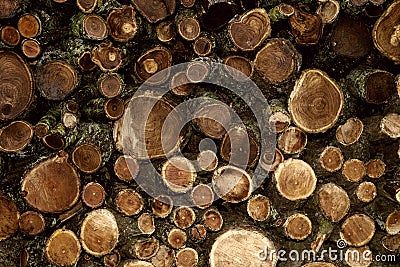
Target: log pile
{"type": "Point", "coordinates": [91, 176]}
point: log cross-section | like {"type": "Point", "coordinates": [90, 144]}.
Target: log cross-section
{"type": "Point", "coordinates": [386, 32]}
{"type": "Point", "coordinates": [16, 85]}
{"type": "Point", "coordinates": [333, 201]}
{"type": "Point", "coordinates": [52, 185]}
{"type": "Point", "coordinates": [122, 23]}
{"type": "Point", "coordinates": [242, 247]}
{"type": "Point", "coordinates": [358, 230]}
{"type": "Point", "coordinates": [63, 248]}
{"type": "Point", "coordinates": [156, 10]}
{"type": "Point", "coordinates": [251, 29]}
{"type": "Point", "coordinates": [316, 101]}
{"type": "Point", "coordinates": [295, 179]}
{"type": "Point", "coordinates": [99, 232]}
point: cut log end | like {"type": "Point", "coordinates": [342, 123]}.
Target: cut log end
{"type": "Point", "coordinates": [152, 62]}
{"type": "Point", "coordinates": [329, 10]}
{"type": "Point", "coordinates": [86, 6]}
{"type": "Point", "coordinates": [270, 160]}
{"type": "Point", "coordinates": [31, 48]}
{"type": "Point", "coordinates": [298, 226]}
{"type": "Point", "coordinates": [286, 10]}
{"type": "Point", "coordinates": [146, 223]}
{"type": "Point", "coordinates": [184, 217]}
{"type": "Point", "coordinates": [386, 32]}
{"type": "Point", "coordinates": [353, 170]}
{"type": "Point", "coordinates": [306, 27]}
{"type": "Point", "coordinates": [113, 259]}
{"type": "Point", "coordinates": [198, 233]}
{"type": "Point", "coordinates": [165, 257]}
{"type": "Point", "coordinates": [15, 136]}
{"type": "Point", "coordinates": [240, 247]}
{"type": "Point", "coordinates": [331, 159]}
{"type": "Point", "coordinates": [279, 121]}
{"type": "Point", "coordinates": [292, 140]}
{"type": "Point", "coordinates": [316, 102]}
{"type": "Point", "coordinates": [9, 8]}
{"type": "Point", "coordinates": [202, 46]}
{"type": "Point", "coordinates": [351, 37]}
{"type": "Point", "coordinates": [32, 223]}
{"type": "Point", "coordinates": [358, 230]}
{"type": "Point", "coordinates": [10, 36]}
{"type": "Point", "coordinates": [69, 120]}
{"type": "Point", "coordinates": [239, 66]}
{"type": "Point", "coordinates": [177, 238]}
{"type": "Point", "coordinates": [166, 31]}
{"type": "Point", "coordinates": [240, 147]}
{"type": "Point", "coordinates": [259, 208]}
{"type": "Point", "coordinates": [126, 168]}
{"type": "Point", "coordinates": [129, 202]}
{"type": "Point", "coordinates": [207, 160]}
{"type": "Point", "coordinates": [9, 218]}
{"type": "Point", "coordinates": [180, 84]}
{"type": "Point", "coordinates": [392, 224]}
{"type": "Point", "coordinates": [72, 106]}
{"type": "Point", "coordinates": [202, 196]}
{"type": "Point", "coordinates": [114, 108]}
{"type": "Point", "coordinates": [232, 184]}
{"type": "Point", "coordinates": [333, 201]}
{"type": "Point", "coordinates": [186, 257]}
{"type": "Point", "coordinates": [211, 124]}
{"type": "Point", "coordinates": [93, 195]}
{"type": "Point", "coordinates": [189, 28]}
{"type": "Point", "coordinates": [63, 248]}
{"type": "Point", "coordinates": [99, 232]}
{"type": "Point", "coordinates": [277, 60]}
{"type": "Point", "coordinates": [295, 179]}
{"type": "Point", "coordinates": [54, 141]}
{"type": "Point", "coordinates": [56, 80]}
{"type": "Point", "coordinates": [29, 26]}
{"type": "Point", "coordinates": [107, 57]}
{"type": "Point", "coordinates": [391, 242]}
{"type": "Point", "coordinates": [137, 263]}
{"type": "Point", "coordinates": [16, 83]}
{"type": "Point", "coordinates": [188, 3]}
{"type": "Point", "coordinates": [390, 125]}
{"type": "Point", "coordinates": [197, 71]}
{"type": "Point", "coordinates": [87, 157]}
{"type": "Point", "coordinates": [145, 249]}
{"type": "Point", "coordinates": [179, 174]}
{"type": "Point", "coordinates": [350, 132]}
{"type": "Point", "coordinates": [110, 85]}
{"type": "Point", "coordinates": [213, 220]}
{"type": "Point", "coordinates": [41, 130]}
{"type": "Point", "coordinates": [157, 11]}
{"type": "Point", "coordinates": [252, 28]}
{"type": "Point", "coordinates": [122, 23]}
{"type": "Point", "coordinates": [162, 206]}
{"type": "Point", "coordinates": [366, 192]}
{"type": "Point", "coordinates": [52, 186]}
{"type": "Point", "coordinates": [375, 168]}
